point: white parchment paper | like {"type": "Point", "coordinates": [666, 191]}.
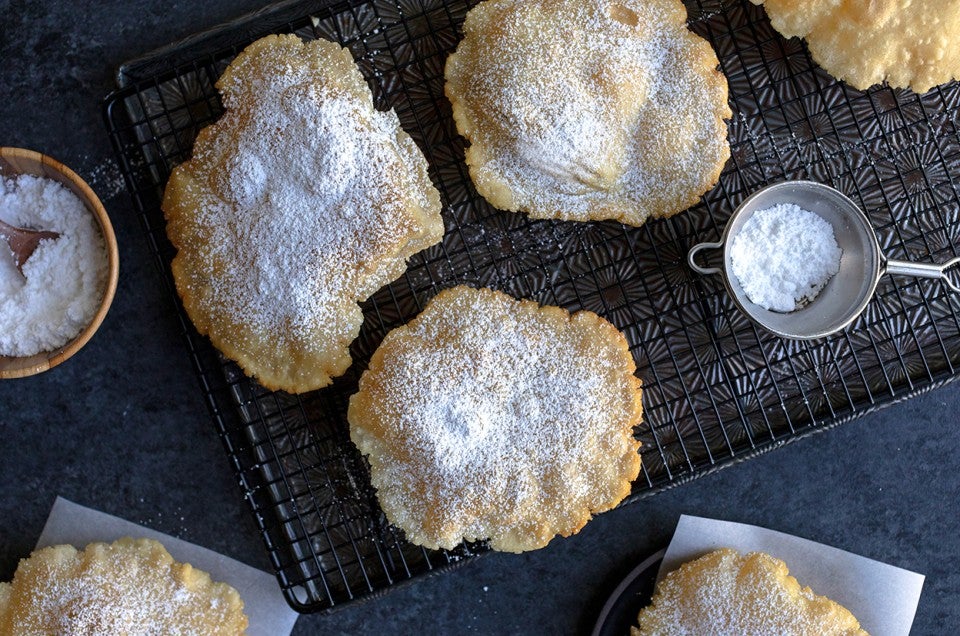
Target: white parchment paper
{"type": "Point", "coordinates": [269, 614]}
{"type": "Point", "coordinates": [883, 597]}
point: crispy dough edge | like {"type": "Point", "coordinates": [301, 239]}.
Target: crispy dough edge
{"type": "Point", "coordinates": [920, 78]}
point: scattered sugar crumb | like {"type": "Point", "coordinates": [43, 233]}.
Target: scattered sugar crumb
{"type": "Point", "coordinates": [105, 179]}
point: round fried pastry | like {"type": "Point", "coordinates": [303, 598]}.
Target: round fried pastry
{"type": "Point", "coordinates": [726, 593]}
{"type": "Point", "coordinates": [493, 418]}
{"type": "Point", "coordinates": [588, 110]}
{"type": "Point", "coordinates": [906, 43]}
{"type": "Point", "coordinates": [300, 202]}
{"type": "Point", "coordinates": [126, 587]}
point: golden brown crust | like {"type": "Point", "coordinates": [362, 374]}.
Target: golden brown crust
{"type": "Point", "coordinates": [588, 110]}
{"type": "Point", "coordinates": [299, 203]}
{"type": "Point", "coordinates": [907, 43]}
{"type": "Point", "coordinates": [492, 418]}
{"type": "Point", "coordinates": [126, 587]}
{"type": "Point", "coordinates": [726, 593]}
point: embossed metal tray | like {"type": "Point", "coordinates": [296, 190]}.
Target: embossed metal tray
{"type": "Point", "coordinates": [716, 388]}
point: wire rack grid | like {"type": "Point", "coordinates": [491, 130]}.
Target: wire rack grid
{"type": "Point", "coordinates": [717, 389]}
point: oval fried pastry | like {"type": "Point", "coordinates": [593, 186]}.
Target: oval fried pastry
{"type": "Point", "coordinates": [493, 418]}
{"type": "Point", "coordinates": [907, 43]}
{"type": "Point", "coordinates": [126, 587]}
{"type": "Point", "coordinates": [588, 110]}
{"type": "Point", "coordinates": [300, 202]}
{"type": "Point", "coordinates": [725, 593]}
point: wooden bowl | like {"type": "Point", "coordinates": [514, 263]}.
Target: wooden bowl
{"type": "Point", "coordinates": [16, 161]}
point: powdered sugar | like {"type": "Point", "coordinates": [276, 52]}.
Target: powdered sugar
{"type": "Point", "coordinates": [588, 110]}
{"type": "Point", "coordinates": [312, 198]}
{"type": "Point", "coordinates": [294, 266]}
{"type": "Point", "coordinates": [508, 406]}
{"type": "Point", "coordinates": [783, 256]}
{"type": "Point", "coordinates": [724, 594]}
{"type": "Point", "coordinates": [127, 587]}
{"type": "Point", "coordinates": [62, 282]}
{"type": "Point", "coordinates": [502, 413]}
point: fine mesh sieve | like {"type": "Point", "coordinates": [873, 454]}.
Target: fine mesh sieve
{"type": "Point", "coordinates": [846, 294]}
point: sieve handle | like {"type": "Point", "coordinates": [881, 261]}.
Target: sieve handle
{"type": "Point", "coordinates": [692, 256]}
{"type": "Point", "coordinates": [924, 270]}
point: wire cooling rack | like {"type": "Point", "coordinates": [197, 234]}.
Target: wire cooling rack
{"type": "Point", "coordinates": [716, 388]}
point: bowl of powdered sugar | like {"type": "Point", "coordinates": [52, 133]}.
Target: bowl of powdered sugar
{"type": "Point", "coordinates": [53, 303]}
{"type": "Point", "coordinates": [799, 258]}
{"type": "Point", "coordinates": [802, 260]}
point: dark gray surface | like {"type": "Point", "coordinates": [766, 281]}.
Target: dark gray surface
{"type": "Point", "coordinates": [121, 427]}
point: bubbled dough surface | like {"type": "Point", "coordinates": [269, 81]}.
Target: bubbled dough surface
{"type": "Point", "coordinates": [907, 43]}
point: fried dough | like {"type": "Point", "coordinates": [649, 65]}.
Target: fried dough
{"type": "Point", "coordinates": [588, 110]}
{"type": "Point", "coordinates": [126, 587]}
{"type": "Point", "coordinates": [300, 202]}
{"type": "Point", "coordinates": [724, 593]}
{"type": "Point", "coordinates": [906, 43]}
{"type": "Point", "coordinates": [493, 418]}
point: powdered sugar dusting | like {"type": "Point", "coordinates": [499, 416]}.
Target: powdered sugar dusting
{"type": "Point", "coordinates": [504, 412]}
{"type": "Point", "coordinates": [128, 587]}
{"type": "Point", "coordinates": [306, 200]}
{"type": "Point", "coordinates": [588, 109]}
{"type": "Point", "coordinates": [294, 221]}
{"type": "Point", "coordinates": [105, 179]}
{"type": "Point", "coordinates": [724, 593]}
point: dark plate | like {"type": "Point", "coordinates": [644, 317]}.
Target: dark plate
{"type": "Point", "coordinates": [619, 613]}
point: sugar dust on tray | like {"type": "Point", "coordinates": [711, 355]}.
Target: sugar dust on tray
{"type": "Point", "coordinates": [784, 256]}
{"type": "Point", "coordinates": [61, 286]}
